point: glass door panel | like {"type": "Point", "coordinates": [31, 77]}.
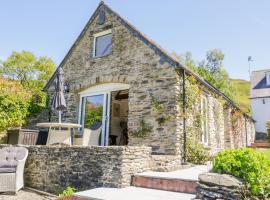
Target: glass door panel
{"type": "Point", "coordinates": [93, 117]}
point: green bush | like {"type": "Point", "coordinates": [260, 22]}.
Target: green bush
{"type": "Point", "coordinates": [14, 104]}
{"type": "Point", "coordinates": [251, 166]}
{"type": "Point", "coordinates": [197, 153]}
{"type": "Point", "coordinates": [67, 192]}
{"type": "Point", "coordinates": [22, 78]}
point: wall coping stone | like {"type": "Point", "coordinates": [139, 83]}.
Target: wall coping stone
{"type": "Point", "coordinates": [212, 186]}
{"type": "Point", "coordinates": [222, 180]}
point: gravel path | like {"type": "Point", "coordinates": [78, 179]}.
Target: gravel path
{"type": "Point", "coordinates": [25, 195]}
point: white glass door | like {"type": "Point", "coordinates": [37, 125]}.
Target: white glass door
{"type": "Point", "coordinates": [95, 117]}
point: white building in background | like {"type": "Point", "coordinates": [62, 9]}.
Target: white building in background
{"type": "Point", "coordinates": [260, 98]}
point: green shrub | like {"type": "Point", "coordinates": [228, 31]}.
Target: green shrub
{"type": "Point", "coordinates": [197, 153]}
{"type": "Point", "coordinates": [251, 166]}
{"type": "Point", "coordinates": [14, 104]}
{"type": "Point", "coordinates": [67, 192]}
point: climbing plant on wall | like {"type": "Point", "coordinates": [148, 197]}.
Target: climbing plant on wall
{"type": "Point", "coordinates": [196, 152]}
{"type": "Point", "coordinates": [159, 108]}
{"type": "Point", "coordinates": [236, 117]}
{"type": "Point", "coordinates": [143, 130]}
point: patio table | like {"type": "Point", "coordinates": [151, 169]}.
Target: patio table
{"type": "Point", "coordinates": [61, 130]}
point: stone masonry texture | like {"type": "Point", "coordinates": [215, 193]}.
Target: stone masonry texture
{"type": "Point", "coordinates": [53, 168]}
{"type": "Point", "coordinates": [130, 62]}
{"type": "Point", "coordinates": [213, 186]}
{"type": "Point", "coordinates": [133, 62]}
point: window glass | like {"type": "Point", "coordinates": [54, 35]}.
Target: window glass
{"type": "Point", "coordinates": [92, 118]}
{"type": "Point", "coordinates": [93, 111]}
{"type": "Point", "coordinates": [103, 45]}
{"type": "Point", "coordinates": [204, 123]}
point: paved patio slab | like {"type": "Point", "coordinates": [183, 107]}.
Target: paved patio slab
{"type": "Point", "coordinates": [25, 195]}
{"type": "Point", "coordinates": [132, 193]}
{"type": "Point", "coordinates": [191, 173]}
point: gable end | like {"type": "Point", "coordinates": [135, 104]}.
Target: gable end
{"type": "Point", "coordinates": [164, 56]}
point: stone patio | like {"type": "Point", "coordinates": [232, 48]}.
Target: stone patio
{"type": "Point", "coordinates": [26, 194]}
{"type": "Point", "coordinates": [191, 173]}
{"type": "Point", "coordinates": [175, 185]}
{"type": "Point", "coordinates": [132, 193]}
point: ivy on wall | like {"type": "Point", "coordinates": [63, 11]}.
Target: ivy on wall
{"type": "Point", "coordinates": [143, 131]}
{"type": "Point", "coordinates": [236, 119]}
{"type": "Point", "coordinates": [159, 108]}
{"type": "Point", "coordinates": [196, 152]}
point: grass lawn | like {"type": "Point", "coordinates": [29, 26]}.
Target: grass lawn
{"type": "Point", "coordinates": [265, 151]}
{"type": "Point", "coordinates": [242, 93]}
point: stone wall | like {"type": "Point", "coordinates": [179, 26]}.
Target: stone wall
{"type": "Point", "coordinates": [215, 124]}
{"type": "Point", "coordinates": [131, 62]}
{"type": "Point", "coordinates": [52, 168]}
{"type": "Point", "coordinates": [138, 63]}
{"type": "Point", "coordinates": [227, 126]}
{"type": "Point", "coordinates": [163, 163]}
{"type": "Point", "coordinates": [212, 186]}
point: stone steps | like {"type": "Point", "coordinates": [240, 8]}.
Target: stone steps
{"type": "Point", "coordinates": [168, 184]}
{"type": "Point", "coordinates": [184, 180]}
{"type": "Point", "coordinates": [152, 185]}
{"type": "Point", "coordinates": [260, 144]}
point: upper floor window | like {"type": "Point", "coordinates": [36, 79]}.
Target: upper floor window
{"type": "Point", "coordinates": [102, 43]}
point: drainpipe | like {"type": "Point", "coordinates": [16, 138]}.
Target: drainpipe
{"type": "Point", "coordinates": [184, 157]}
{"type": "Point", "coordinates": [246, 130]}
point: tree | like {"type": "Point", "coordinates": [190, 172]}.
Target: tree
{"type": "Point", "coordinates": [211, 69]}
{"type": "Point", "coordinates": [220, 77]}
{"type": "Point", "coordinates": [22, 78]}
{"type": "Point", "coordinates": [25, 67]}
{"type": "Point", "coordinates": [214, 59]}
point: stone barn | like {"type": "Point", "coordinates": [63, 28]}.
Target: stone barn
{"type": "Point", "coordinates": [121, 83]}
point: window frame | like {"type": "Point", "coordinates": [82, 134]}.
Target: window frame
{"type": "Point", "coordinates": [96, 35]}
{"type": "Point", "coordinates": [102, 89]}
{"type": "Point", "coordinates": [205, 112]}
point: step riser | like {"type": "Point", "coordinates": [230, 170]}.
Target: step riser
{"type": "Point", "coordinates": [260, 145]}
{"type": "Point", "coordinates": [173, 185]}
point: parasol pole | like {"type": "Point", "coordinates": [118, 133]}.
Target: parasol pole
{"type": "Point", "coordinates": [59, 113]}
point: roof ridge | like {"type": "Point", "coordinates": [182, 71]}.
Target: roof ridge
{"type": "Point", "coordinates": [259, 70]}
{"type": "Point", "coordinates": [179, 64]}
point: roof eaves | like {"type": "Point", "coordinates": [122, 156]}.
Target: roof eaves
{"type": "Point", "coordinates": [162, 52]}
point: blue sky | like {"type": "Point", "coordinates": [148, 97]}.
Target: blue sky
{"type": "Point", "coordinates": [239, 28]}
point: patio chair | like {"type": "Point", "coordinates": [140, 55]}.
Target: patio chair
{"type": "Point", "coordinates": [91, 137]}
{"type": "Point", "coordinates": [59, 136]}
{"type": "Point", "coordinates": [12, 161]}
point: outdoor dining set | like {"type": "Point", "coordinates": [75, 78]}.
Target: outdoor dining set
{"type": "Point", "coordinates": [13, 158]}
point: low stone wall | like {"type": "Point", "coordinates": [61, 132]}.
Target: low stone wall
{"type": "Point", "coordinates": [213, 186]}
{"type": "Point", "coordinates": [165, 163]}
{"type": "Point", "coordinates": [52, 168]}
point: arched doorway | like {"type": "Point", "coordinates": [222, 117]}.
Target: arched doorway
{"type": "Point", "coordinates": [103, 113]}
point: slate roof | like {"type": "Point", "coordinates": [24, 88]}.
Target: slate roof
{"type": "Point", "coordinates": [165, 56]}
{"type": "Point", "coordinates": [258, 86]}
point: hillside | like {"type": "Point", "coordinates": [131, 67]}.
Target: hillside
{"type": "Point", "coordinates": [242, 92]}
